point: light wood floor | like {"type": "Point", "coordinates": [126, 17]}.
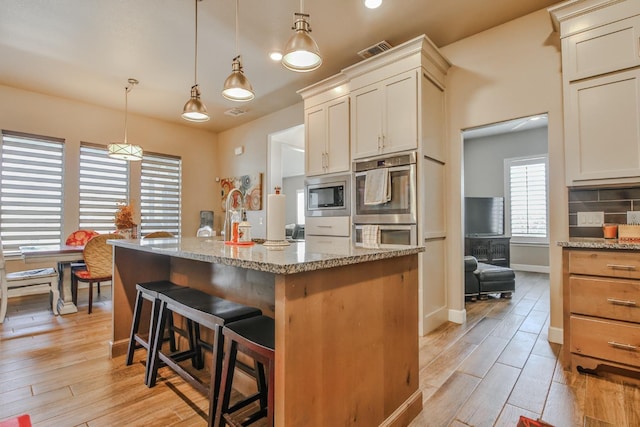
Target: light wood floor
{"type": "Point", "coordinates": [496, 367]}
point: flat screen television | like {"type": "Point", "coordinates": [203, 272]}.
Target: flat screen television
{"type": "Point", "coordinates": [484, 216]}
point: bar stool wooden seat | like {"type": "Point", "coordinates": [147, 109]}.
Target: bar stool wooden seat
{"type": "Point", "coordinates": [150, 291]}
{"type": "Point", "coordinates": [203, 310]}
{"type": "Point", "coordinates": [254, 337]}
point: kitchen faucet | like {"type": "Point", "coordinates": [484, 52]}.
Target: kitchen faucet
{"type": "Point", "coordinates": [226, 229]}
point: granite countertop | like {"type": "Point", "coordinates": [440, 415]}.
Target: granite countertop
{"type": "Point", "coordinates": [295, 258]}
{"type": "Point", "coordinates": [598, 243]}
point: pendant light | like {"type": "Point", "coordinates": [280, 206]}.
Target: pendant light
{"type": "Point", "coordinates": [301, 53]}
{"type": "Point", "coordinates": [195, 110]}
{"type": "Point", "coordinates": [372, 4]}
{"type": "Point", "coordinates": [237, 86]}
{"type": "Point", "coordinates": [126, 151]}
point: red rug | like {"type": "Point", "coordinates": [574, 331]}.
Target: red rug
{"type": "Point", "coordinates": [21, 421]}
{"type": "Point", "coordinates": [528, 422]}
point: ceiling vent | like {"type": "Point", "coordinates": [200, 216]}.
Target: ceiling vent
{"type": "Point", "coordinates": [235, 112]}
{"type": "Point", "coordinates": [375, 49]}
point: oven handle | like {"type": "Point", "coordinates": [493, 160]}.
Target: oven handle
{"type": "Point", "coordinates": [392, 169]}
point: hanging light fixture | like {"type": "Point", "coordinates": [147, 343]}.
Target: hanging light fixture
{"type": "Point", "coordinates": [372, 4]}
{"type": "Point", "coordinates": [301, 53]}
{"type": "Point", "coordinates": [237, 86]}
{"type": "Point", "coordinates": [126, 151]}
{"type": "Point", "coordinates": [195, 110]}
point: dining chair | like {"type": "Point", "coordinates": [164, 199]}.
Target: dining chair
{"type": "Point", "coordinates": [98, 256]}
{"type": "Point", "coordinates": [159, 234]}
{"type": "Point", "coordinates": [79, 238]}
{"type": "Point", "coordinates": [20, 279]}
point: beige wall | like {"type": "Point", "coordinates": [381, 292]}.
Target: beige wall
{"type": "Point", "coordinates": [35, 113]}
{"type": "Point", "coordinates": [509, 71]}
{"type": "Point", "coordinates": [254, 137]}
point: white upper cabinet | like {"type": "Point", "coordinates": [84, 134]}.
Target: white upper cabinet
{"type": "Point", "coordinates": [327, 137]}
{"type": "Point", "coordinates": [385, 116]}
{"type": "Point", "coordinates": [327, 126]}
{"type": "Point", "coordinates": [601, 84]}
{"type": "Point", "coordinates": [604, 49]}
{"type": "Point", "coordinates": [602, 128]}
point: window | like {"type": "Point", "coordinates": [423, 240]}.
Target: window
{"type": "Point", "coordinates": [104, 183]}
{"type": "Point", "coordinates": [160, 193]}
{"type": "Point", "coordinates": [31, 191]}
{"type": "Point", "coordinates": [526, 181]}
{"type": "Point", "coordinates": [300, 206]}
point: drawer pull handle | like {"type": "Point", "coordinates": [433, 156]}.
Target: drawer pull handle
{"type": "Point", "coordinates": [621, 267]}
{"type": "Point", "coordinates": [325, 226]}
{"type": "Point", "coordinates": [616, 301]}
{"type": "Point", "coordinates": [622, 346]}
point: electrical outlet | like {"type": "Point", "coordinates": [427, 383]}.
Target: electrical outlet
{"type": "Point", "coordinates": [633, 217]}
{"type": "Point", "coordinates": [590, 219]}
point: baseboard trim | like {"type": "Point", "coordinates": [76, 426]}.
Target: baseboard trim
{"type": "Point", "coordinates": [556, 335]}
{"type": "Point", "coordinates": [432, 320]}
{"type": "Point", "coordinates": [458, 316]}
{"type": "Point", "coordinates": [531, 268]}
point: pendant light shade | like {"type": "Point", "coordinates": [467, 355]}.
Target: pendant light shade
{"type": "Point", "coordinates": [237, 86]}
{"type": "Point", "coordinates": [301, 53]}
{"type": "Point", "coordinates": [124, 150]}
{"type": "Point", "coordinates": [372, 4]}
{"type": "Point", "coordinates": [194, 110]}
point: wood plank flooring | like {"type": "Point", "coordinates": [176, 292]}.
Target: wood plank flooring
{"type": "Point", "coordinates": [487, 372]}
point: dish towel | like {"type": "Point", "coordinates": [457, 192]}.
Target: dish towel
{"type": "Point", "coordinates": [370, 236]}
{"type": "Point", "coordinates": [377, 186]}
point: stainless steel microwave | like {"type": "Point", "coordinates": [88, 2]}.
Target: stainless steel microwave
{"type": "Point", "coordinates": [328, 195]}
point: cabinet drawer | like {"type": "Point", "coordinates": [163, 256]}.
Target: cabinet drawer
{"type": "Point", "coordinates": [608, 340]}
{"type": "Point", "coordinates": [328, 226]}
{"type": "Point", "coordinates": [609, 298]}
{"type": "Point", "coordinates": [620, 264]}
{"type": "Point", "coordinates": [603, 49]}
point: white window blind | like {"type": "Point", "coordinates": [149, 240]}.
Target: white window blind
{"type": "Point", "coordinates": [104, 184]}
{"type": "Point", "coordinates": [31, 191]}
{"type": "Point", "coordinates": [528, 197]}
{"type": "Point", "coordinates": [160, 193]}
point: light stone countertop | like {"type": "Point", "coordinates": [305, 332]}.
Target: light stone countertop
{"type": "Point", "coordinates": [295, 258]}
{"type": "Point", "coordinates": [599, 243]}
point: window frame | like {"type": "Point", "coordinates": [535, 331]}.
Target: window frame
{"type": "Point", "coordinates": [103, 204]}
{"type": "Point", "coordinates": [520, 161]}
{"type": "Point", "coordinates": [160, 174]}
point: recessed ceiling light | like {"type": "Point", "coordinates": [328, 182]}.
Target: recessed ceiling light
{"type": "Point", "coordinates": [372, 4]}
{"type": "Point", "coordinates": [275, 56]}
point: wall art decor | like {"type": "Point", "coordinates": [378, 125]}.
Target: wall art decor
{"type": "Point", "coordinates": [251, 188]}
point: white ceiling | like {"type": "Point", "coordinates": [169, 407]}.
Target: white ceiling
{"type": "Point", "coordinates": [87, 49]}
{"type": "Point", "coordinates": [515, 125]}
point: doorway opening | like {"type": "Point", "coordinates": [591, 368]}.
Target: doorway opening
{"type": "Point", "coordinates": [505, 183]}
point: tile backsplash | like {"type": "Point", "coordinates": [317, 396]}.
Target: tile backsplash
{"type": "Point", "coordinates": [614, 202]}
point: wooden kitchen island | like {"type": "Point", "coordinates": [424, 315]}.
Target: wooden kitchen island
{"type": "Point", "coordinates": [346, 319]}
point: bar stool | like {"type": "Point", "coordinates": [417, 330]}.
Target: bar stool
{"type": "Point", "coordinates": [203, 310]}
{"type": "Point", "coordinates": [150, 291]}
{"type": "Point", "coordinates": [254, 337]}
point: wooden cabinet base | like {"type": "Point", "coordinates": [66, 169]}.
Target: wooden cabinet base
{"type": "Point", "coordinates": [615, 371]}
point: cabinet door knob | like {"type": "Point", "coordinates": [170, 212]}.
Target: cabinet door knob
{"type": "Point", "coordinates": [616, 301]}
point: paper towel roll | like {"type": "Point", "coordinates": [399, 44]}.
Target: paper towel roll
{"type": "Point", "coordinates": [276, 217]}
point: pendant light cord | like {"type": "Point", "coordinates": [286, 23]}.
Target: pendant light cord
{"type": "Point", "coordinates": [195, 66]}
{"type": "Point", "coordinates": [237, 30]}
{"type": "Point", "coordinates": [301, 6]}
